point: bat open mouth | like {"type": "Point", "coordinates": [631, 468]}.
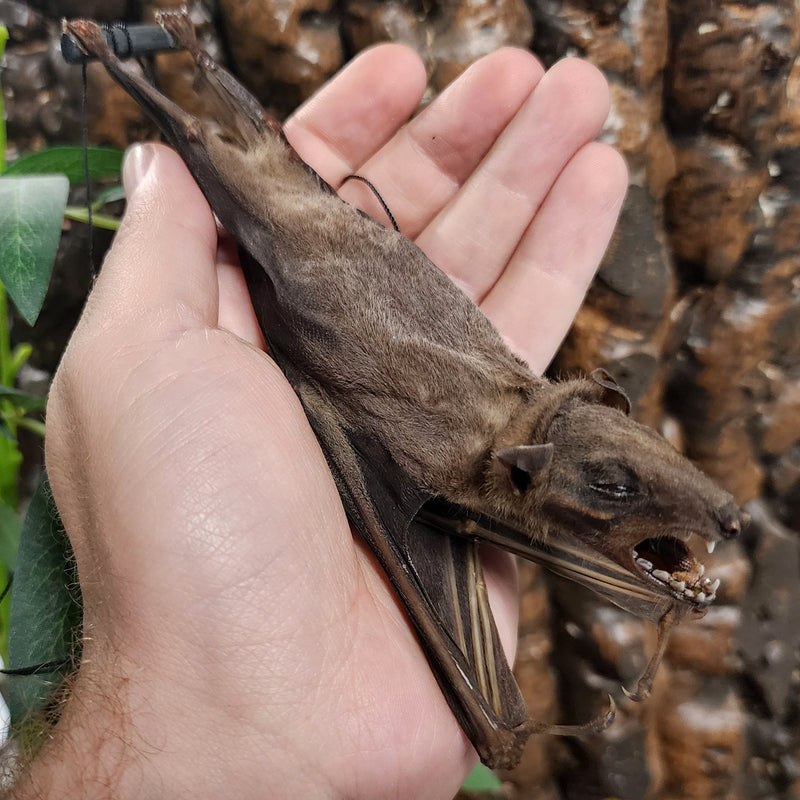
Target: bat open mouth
{"type": "Point", "coordinates": [669, 563]}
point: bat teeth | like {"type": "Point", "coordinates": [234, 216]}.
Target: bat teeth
{"type": "Point", "coordinates": [702, 589]}
{"type": "Point", "coordinates": [710, 587]}
{"type": "Point", "coordinates": [646, 565]}
{"type": "Point", "coordinates": [710, 546]}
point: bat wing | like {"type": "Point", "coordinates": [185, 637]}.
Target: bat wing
{"type": "Point", "coordinates": [438, 578]}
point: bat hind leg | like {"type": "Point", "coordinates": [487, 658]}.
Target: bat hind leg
{"type": "Point", "coordinates": [645, 683]}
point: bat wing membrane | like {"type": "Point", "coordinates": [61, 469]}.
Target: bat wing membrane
{"type": "Point", "coordinates": [438, 578]}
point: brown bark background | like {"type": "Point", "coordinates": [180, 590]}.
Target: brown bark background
{"type": "Point", "coordinates": [696, 311]}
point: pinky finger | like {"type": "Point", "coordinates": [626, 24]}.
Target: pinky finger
{"type": "Point", "coordinates": [533, 302]}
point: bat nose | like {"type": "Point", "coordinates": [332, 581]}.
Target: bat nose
{"type": "Point", "coordinates": [732, 520]}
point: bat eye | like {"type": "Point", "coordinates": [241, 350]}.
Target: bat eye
{"type": "Point", "coordinates": [612, 480]}
{"type": "Point", "coordinates": [613, 491]}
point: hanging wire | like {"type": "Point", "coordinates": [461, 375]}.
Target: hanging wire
{"type": "Point", "coordinates": [377, 194]}
{"type": "Point", "coordinates": [123, 48]}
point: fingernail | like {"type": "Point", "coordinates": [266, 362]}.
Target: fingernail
{"type": "Point", "coordinates": [138, 160]}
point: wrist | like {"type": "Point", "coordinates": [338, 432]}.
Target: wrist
{"type": "Point", "coordinates": [109, 743]}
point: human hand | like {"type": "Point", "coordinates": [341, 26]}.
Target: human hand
{"type": "Point", "coordinates": [239, 641]}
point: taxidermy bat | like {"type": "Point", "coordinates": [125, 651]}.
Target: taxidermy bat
{"type": "Point", "coordinates": [438, 437]}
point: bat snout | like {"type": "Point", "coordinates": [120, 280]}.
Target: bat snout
{"type": "Point", "coordinates": [731, 520]}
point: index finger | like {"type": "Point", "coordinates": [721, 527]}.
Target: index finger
{"type": "Point", "coordinates": [358, 111]}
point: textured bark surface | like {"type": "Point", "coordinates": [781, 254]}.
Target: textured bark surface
{"type": "Point", "coordinates": [696, 311]}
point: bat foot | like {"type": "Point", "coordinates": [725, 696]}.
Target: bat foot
{"type": "Point", "coordinates": [597, 724]}
{"type": "Point", "coordinates": [180, 26]}
{"type": "Point", "coordinates": [88, 34]}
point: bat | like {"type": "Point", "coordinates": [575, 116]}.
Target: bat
{"type": "Point", "coordinates": [437, 435]}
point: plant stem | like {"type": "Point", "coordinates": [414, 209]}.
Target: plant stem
{"type": "Point", "coordinates": [81, 214]}
{"type": "Point", "coordinates": [34, 425]}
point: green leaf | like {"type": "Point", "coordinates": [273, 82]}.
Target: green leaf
{"type": "Point", "coordinates": [45, 607]}
{"type": "Point", "coordinates": [28, 402]}
{"type": "Point", "coordinates": [17, 357]}
{"type": "Point", "coordinates": [10, 527]}
{"type": "Point", "coordinates": [481, 779]}
{"type": "Point", "coordinates": [31, 211]}
{"type": "Point", "coordinates": [104, 162]}
{"type": "Point", "coordinates": [110, 194]}
{"type": "Point", "coordinates": [10, 459]}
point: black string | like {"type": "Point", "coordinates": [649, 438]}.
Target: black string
{"type": "Point", "coordinates": [115, 45]}
{"type": "Point", "coordinates": [377, 195]}
{"type": "Point", "coordinates": [7, 587]}
{"type": "Point", "coordinates": [85, 138]}
{"type": "Point", "coordinates": [38, 669]}
{"type": "Point", "coordinates": [58, 665]}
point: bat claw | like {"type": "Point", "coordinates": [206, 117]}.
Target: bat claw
{"type": "Point", "coordinates": [604, 720]}
{"type": "Point", "coordinates": [640, 693]}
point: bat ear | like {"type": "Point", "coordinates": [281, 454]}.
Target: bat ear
{"type": "Point", "coordinates": [613, 394]}
{"type": "Point", "coordinates": [525, 461]}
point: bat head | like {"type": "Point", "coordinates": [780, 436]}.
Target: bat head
{"type": "Point", "coordinates": [622, 492]}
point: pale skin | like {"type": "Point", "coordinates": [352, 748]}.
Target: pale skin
{"type": "Point", "coordinates": [240, 642]}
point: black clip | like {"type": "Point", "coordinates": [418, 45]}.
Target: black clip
{"type": "Point", "coordinates": [126, 41]}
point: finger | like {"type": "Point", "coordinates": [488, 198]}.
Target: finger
{"type": "Point", "coordinates": [537, 296]}
{"type": "Point", "coordinates": [164, 253]}
{"type": "Point", "coordinates": [358, 111]}
{"type": "Point", "coordinates": [421, 168]}
{"type": "Point", "coordinates": [474, 236]}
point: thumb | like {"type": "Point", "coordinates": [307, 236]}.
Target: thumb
{"type": "Point", "coordinates": [164, 255]}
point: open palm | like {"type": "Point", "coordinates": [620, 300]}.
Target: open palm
{"type": "Point", "coordinates": [239, 641]}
